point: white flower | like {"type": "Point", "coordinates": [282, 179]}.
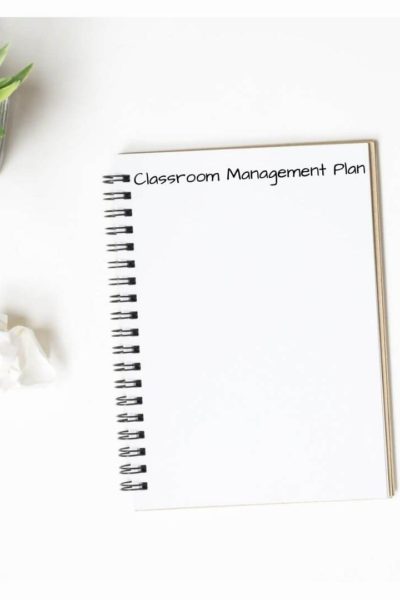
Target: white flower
{"type": "Point", "coordinates": [22, 360]}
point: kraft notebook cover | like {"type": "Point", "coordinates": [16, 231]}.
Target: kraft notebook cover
{"type": "Point", "coordinates": [248, 325]}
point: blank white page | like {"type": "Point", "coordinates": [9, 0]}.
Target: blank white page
{"type": "Point", "coordinates": [258, 325]}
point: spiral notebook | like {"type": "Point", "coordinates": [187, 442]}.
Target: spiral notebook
{"type": "Point", "coordinates": [248, 325]}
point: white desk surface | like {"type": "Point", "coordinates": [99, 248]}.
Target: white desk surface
{"type": "Point", "coordinates": [101, 87]}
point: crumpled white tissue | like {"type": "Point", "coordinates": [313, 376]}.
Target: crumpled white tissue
{"type": "Point", "coordinates": [22, 359]}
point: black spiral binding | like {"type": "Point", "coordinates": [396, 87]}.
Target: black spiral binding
{"type": "Point", "coordinates": [125, 279]}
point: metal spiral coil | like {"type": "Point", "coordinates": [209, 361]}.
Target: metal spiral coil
{"type": "Point", "coordinates": [130, 435]}
{"type": "Point", "coordinates": [127, 367]}
{"type": "Point", "coordinates": [115, 316]}
{"type": "Point", "coordinates": [126, 349]}
{"type": "Point", "coordinates": [126, 401]}
{"type": "Point", "coordinates": [120, 247]}
{"type": "Point", "coordinates": [122, 281]}
{"type": "Point", "coordinates": [129, 486]}
{"type": "Point", "coordinates": [118, 212]}
{"type": "Point", "coordinates": [117, 195]}
{"type": "Point", "coordinates": [116, 178]}
{"type": "Point", "coordinates": [125, 332]}
{"type": "Point", "coordinates": [119, 229]}
{"type": "Point", "coordinates": [123, 262]}
{"type": "Point", "coordinates": [121, 384]}
{"type": "Point", "coordinates": [130, 469]}
{"type": "Point", "coordinates": [128, 452]}
{"type": "Point", "coordinates": [123, 298]}
{"type": "Point", "coordinates": [128, 418]}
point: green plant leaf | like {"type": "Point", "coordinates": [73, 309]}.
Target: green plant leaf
{"type": "Point", "coordinates": [19, 77]}
{"type": "Point", "coordinates": [3, 53]}
{"type": "Point", "coordinates": [2, 132]}
{"type": "Point", "coordinates": [5, 92]}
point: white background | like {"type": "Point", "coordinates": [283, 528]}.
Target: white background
{"type": "Point", "coordinates": [101, 87]}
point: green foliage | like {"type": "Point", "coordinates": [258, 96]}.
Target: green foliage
{"type": "Point", "coordinates": [19, 77]}
{"type": "Point", "coordinates": [3, 53]}
{"type": "Point", "coordinates": [7, 90]}
{"type": "Point", "coordinates": [8, 85]}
